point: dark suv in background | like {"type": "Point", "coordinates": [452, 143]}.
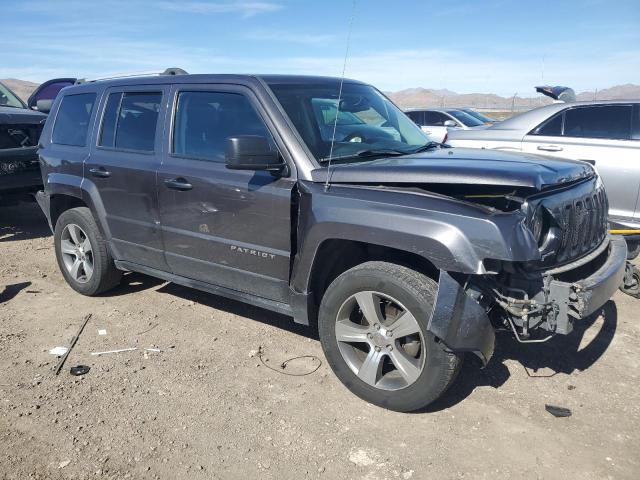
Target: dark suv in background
{"type": "Point", "coordinates": [404, 254]}
{"type": "Point", "coordinates": [20, 127]}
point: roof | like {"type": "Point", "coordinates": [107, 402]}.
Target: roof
{"type": "Point", "coordinates": [534, 117]}
{"type": "Point", "coordinates": [212, 78]}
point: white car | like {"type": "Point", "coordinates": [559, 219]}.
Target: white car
{"type": "Point", "coordinates": [438, 122]}
{"type": "Point", "coordinates": [605, 134]}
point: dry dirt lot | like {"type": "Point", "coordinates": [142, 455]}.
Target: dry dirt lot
{"type": "Point", "coordinates": [206, 408]}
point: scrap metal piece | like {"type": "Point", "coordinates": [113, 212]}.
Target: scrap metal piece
{"type": "Point", "coordinates": [557, 411]}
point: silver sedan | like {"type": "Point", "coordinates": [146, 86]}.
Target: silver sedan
{"type": "Point", "coordinates": [605, 134]}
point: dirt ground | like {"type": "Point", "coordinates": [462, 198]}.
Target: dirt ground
{"type": "Point", "coordinates": [205, 407]}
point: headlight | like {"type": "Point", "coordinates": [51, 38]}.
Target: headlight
{"type": "Point", "coordinates": [537, 222]}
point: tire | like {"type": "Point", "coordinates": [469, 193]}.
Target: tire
{"type": "Point", "coordinates": [394, 288]}
{"type": "Point", "coordinates": [633, 277]}
{"type": "Point", "coordinates": [90, 269]}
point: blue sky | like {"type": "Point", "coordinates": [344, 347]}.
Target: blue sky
{"type": "Point", "coordinates": [466, 46]}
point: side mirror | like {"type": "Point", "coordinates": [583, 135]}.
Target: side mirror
{"type": "Point", "coordinates": [252, 152]}
{"type": "Point", "coordinates": [44, 106]}
{"type": "Point", "coordinates": [450, 123]}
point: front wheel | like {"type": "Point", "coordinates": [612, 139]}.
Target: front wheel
{"type": "Point", "coordinates": [373, 329]}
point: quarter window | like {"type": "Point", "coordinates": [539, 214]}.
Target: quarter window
{"type": "Point", "coordinates": [129, 121]}
{"type": "Point", "coordinates": [607, 121]}
{"type": "Point", "coordinates": [72, 121]}
{"type": "Point", "coordinates": [204, 121]}
{"type": "Point", "coordinates": [435, 119]}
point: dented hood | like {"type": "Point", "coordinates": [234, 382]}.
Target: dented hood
{"type": "Point", "coordinates": [460, 166]}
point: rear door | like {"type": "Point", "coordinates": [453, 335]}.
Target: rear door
{"type": "Point", "coordinates": [600, 135]}
{"type": "Point", "coordinates": [122, 171]}
{"type": "Point", "coordinates": [230, 228]}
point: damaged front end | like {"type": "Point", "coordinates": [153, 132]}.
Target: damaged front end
{"type": "Point", "coordinates": [579, 268]}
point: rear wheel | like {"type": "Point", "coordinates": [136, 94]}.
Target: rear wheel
{"type": "Point", "coordinates": [82, 254]}
{"type": "Point", "coordinates": [373, 328]}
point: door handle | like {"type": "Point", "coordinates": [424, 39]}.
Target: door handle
{"type": "Point", "coordinates": [550, 148]}
{"type": "Point", "coordinates": [100, 172]}
{"type": "Point", "coordinates": [178, 184]}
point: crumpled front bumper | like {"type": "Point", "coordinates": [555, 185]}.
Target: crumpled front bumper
{"type": "Point", "coordinates": [581, 298]}
{"type": "Point", "coordinates": [460, 319]}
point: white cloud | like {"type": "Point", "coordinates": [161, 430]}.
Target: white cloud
{"type": "Point", "coordinates": [245, 9]}
{"type": "Point", "coordinates": [298, 38]}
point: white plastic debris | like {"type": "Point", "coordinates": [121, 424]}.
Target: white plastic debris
{"type": "Point", "coordinates": [102, 331]}
{"type": "Point", "coordinates": [156, 350]}
{"type": "Point", "coordinates": [58, 351]}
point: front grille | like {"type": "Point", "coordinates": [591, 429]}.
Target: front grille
{"type": "Point", "coordinates": [577, 224]}
{"type": "Point", "coordinates": [582, 225]}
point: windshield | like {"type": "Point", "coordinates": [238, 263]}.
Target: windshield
{"type": "Point", "coordinates": [479, 116]}
{"type": "Point", "coordinates": [8, 98]}
{"type": "Point", "coordinates": [368, 124]}
{"type": "Point", "coordinates": [465, 118]}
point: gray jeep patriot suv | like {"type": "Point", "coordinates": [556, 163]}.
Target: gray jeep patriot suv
{"type": "Point", "coordinates": [327, 204]}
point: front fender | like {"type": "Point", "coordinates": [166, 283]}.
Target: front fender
{"type": "Point", "coordinates": [452, 235]}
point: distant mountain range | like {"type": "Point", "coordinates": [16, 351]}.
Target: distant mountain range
{"type": "Point", "coordinates": [427, 97]}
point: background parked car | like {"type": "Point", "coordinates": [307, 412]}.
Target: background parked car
{"type": "Point", "coordinates": [20, 128]}
{"type": "Point", "coordinates": [438, 122]}
{"type": "Point", "coordinates": [605, 134]}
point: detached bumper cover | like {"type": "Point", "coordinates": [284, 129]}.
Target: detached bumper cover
{"type": "Point", "coordinates": [459, 321]}
{"type": "Point", "coordinates": [581, 298]}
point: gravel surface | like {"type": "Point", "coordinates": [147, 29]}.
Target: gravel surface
{"type": "Point", "coordinates": [205, 406]}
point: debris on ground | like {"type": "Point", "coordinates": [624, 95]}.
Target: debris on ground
{"type": "Point", "coordinates": [74, 340]}
{"type": "Point", "coordinates": [79, 370]}
{"type": "Point", "coordinates": [58, 351]}
{"type": "Point", "coordinates": [115, 351]}
{"type": "Point", "coordinates": [557, 411]}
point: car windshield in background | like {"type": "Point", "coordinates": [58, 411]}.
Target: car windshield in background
{"type": "Point", "coordinates": [9, 99]}
{"type": "Point", "coordinates": [478, 115]}
{"type": "Point", "coordinates": [465, 118]}
{"type": "Point", "coordinates": [368, 124]}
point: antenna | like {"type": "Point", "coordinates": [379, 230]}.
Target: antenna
{"type": "Point", "coordinates": [344, 68]}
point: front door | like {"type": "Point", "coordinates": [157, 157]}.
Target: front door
{"type": "Point", "coordinates": [122, 168]}
{"type": "Point", "coordinates": [230, 228]}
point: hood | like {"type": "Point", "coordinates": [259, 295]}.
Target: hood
{"type": "Point", "coordinates": [10, 115]}
{"type": "Point", "coordinates": [461, 166]}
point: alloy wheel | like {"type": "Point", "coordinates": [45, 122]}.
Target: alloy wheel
{"type": "Point", "coordinates": [380, 340]}
{"type": "Point", "coordinates": [77, 253]}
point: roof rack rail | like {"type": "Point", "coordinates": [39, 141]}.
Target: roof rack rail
{"type": "Point", "coordinates": [167, 71]}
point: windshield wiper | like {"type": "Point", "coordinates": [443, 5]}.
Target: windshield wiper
{"type": "Point", "coordinates": [429, 146]}
{"type": "Point", "coordinates": [10, 106]}
{"type": "Point", "coordinates": [374, 152]}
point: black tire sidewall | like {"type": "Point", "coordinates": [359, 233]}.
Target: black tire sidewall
{"type": "Point", "coordinates": [88, 225]}
{"type": "Point", "coordinates": [436, 374]}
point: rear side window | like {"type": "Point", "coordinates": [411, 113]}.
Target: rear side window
{"type": "Point", "coordinates": [417, 117]}
{"type": "Point", "coordinates": [204, 121]}
{"type": "Point", "coordinates": [551, 128]}
{"type": "Point", "coordinates": [72, 121]}
{"type": "Point", "coordinates": [608, 121]}
{"type": "Point", "coordinates": [130, 120]}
